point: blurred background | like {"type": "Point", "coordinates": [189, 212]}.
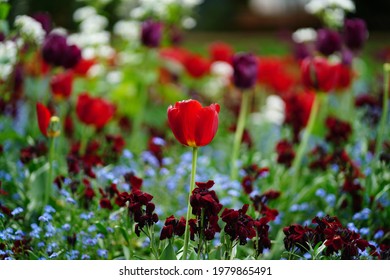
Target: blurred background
{"type": "Point", "coordinates": [217, 15]}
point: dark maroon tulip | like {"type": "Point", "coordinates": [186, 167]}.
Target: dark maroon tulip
{"type": "Point", "coordinates": [328, 41]}
{"type": "Point", "coordinates": [355, 33]}
{"type": "Point", "coordinates": [56, 51]}
{"type": "Point", "coordinates": [53, 49]}
{"type": "Point", "coordinates": [245, 70]}
{"type": "Point", "coordinates": [44, 19]}
{"type": "Point", "coordinates": [151, 32]}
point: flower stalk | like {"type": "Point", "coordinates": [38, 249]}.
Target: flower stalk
{"type": "Point", "coordinates": [238, 134]}
{"type": "Point", "coordinates": [297, 163]}
{"type": "Point", "coordinates": [385, 109]}
{"type": "Point", "coordinates": [189, 207]}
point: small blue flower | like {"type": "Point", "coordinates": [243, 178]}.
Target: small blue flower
{"type": "Point", "coordinates": [70, 200]}
{"type": "Point", "coordinates": [351, 226]}
{"type": "Point", "coordinates": [53, 256]}
{"type": "Point", "coordinates": [86, 216]}
{"type": "Point", "coordinates": [110, 229]}
{"type": "Point", "coordinates": [42, 259]}
{"type": "Point", "coordinates": [49, 209]}
{"type": "Point", "coordinates": [73, 255]}
{"type": "Point", "coordinates": [41, 244]}
{"type": "Point", "coordinates": [66, 227]}
{"type": "Point", "coordinates": [379, 234]}
{"type": "Point", "coordinates": [307, 256]}
{"type": "Point", "coordinates": [1, 215]}
{"type": "Point", "coordinates": [127, 154]}
{"type": "Point", "coordinates": [17, 211]}
{"type": "Point", "coordinates": [321, 193]}
{"type": "Point", "coordinates": [46, 217]}
{"type": "Point", "coordinates": [320, 214]}
{"type": "Point", "coordinates": [294, 208]}
{"type": "Point", "coordinates": [330, 199]}
{"type": "Point", "coordinates": [85, 257]}
{"type": "Point", "coordinates": [364, 231]}
{"type": "Point", "coordinates": [92, 228]}
{"type": "Point", "coordinates": [102, 253]}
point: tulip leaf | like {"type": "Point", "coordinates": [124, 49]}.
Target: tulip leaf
{"type": "Point", "coordinates": [168, 253]}
{"type": "Point", "coordinates": [4, 10]}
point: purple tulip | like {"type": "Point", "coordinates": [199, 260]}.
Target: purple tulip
{"type": "Point", "coordinates": [151, 32]}
{"type": "Point", "coordinates": [56, 51]}
{"type": "Point", "coordinates": [44, 19]}
{"type": "Point", "coordinates": [355, 33]}
{"type": "Point", "coordinates": [328, 41]}
{"type": "Point", "coordinates": [301, 51]}
{"type": "Point", "coordinates": [245, 70]}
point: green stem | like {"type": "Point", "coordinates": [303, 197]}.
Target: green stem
{"type": "Point", "coordinates": [385, 108]}
{"type": "Point", "coordinates": [136, 139]}
{"type": "Point", "coordinates": [84, 140]}
{"type": "Point", "coordinates": [201, 236]}
{"type": "Point", "coordinates": [189, 207]}
{"type": "Point", "coordinates": [296, 166]}
{"type": "Point", "coordinates": [49, 182]}
{"type": "Point", "coordinates": [238, 135]}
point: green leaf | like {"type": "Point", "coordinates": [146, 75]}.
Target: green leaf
{"type": "Point", "coordinates": [126, 252]}
{"type": "Point", "coordinates": [168, 253]}
{"type": "Point", "coordinates": [4, 10]}
{"type": "Point", "coordinates": [124, 234]}
{"type": "Point", "coordinates": [101, 228]}
{"type": "Point", "coordinates": [216, 254]}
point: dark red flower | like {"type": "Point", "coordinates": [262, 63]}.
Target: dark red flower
{"type": "Point", "coordinates": [298, 236]}
{"type": "Point", "coordinates": [197, 66]}
{"type": "Point", "coordinates": [29, 153]}
{"type": "Point", "coordinates": [192, 124]}
{"type": "Point", "coordinates": [238, 224]}
{"type": "Point", "coordinates": [297, 111]}
{"type": "Point", "coordinates": [94, 111]}
{"type": "Point", "coordinates": [318, 74]}
{"type": "Point", "coordinates": [61, 84]}
{"type": "Point", "coordinates": [43, 115]}
{"type": "Point", "coordinates": [203, 198]}
{"type": "Point", "coordinates": [262, 229]}
{"type": "Point", "coordinates": [134, 181]}
{"type": "Point", "coordinates": [245, 70]}
{"type": "Point", "coordinates": [173, 226]}
{"type": "Point", "coordinates": [220, 51]}
{"type": "Point", "coordinates": [338, 131]}
{"type": "Point", "coordinates": [285, 152]}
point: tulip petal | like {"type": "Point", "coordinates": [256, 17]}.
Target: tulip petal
{"type": "Point", "coordinates": [44, 116]}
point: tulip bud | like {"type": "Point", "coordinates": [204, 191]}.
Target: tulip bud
{"type": "Point", "coordinates": [151, 32]}
{"type": "Point", "coordinates": [54, 129]}
{"type": "Point", "coordinates": [328, 41]}
{"type": "Point", "coordinates": [355, 33]}
{"type": "Point", "coordinates": [245, 70]}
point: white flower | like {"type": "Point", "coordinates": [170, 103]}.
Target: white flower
{"type": "Point", "coordinates": [94, 23]}
{"type": "Point", "coordinates": [114, 77]}
{"type": "Point", "coordinates": [30, 28]}
{"type": "Point", "coordinates": [84, 13]}
{"type": "Point", "coordinates": [317, 6]}
{"type": "Point", "coordinates": [221, 69]}
{"type": "Point", "coordinates": [303, 35]}
{"type": "Point", "coordinates": [127, 30]}
{"type": "Point", "coordinates": [188, 23]}
{"type": "Point", "coordinates": [8, 58]}
{"type": "Point", "coordinates": [273, 110]}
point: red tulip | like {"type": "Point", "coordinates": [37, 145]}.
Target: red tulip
{"type": "Point", "coordinates": [344, 76]}
{"type": "Point", "coordinates": [83, 66]}
{"type": "Point", "coordinates": [61, 84]}
{"type": "Point", "coordinates": [44, 116]}
{"type": "Point", "coordinates": [197, 66]}
{"type": "Point", "coordinates": [192, 124]}
{"type": "Point", "coordinates": [94, 110]}
{"type": "Point", "coordinates": [318, 74]}
{"type": "Point", "coordinates": [221, 52]}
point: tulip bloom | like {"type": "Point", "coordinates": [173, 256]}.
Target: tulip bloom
{"type": "Point", "coordinates": [44, 116]}
{"type": "Point", "coordinates": [328, 41]}
{"type": "Point", "coordinates": [318, 74]}
{"type": "Point", "coordinates": [355, 33]}
{"type": "Point", "coordinates": [197, 66]}
{"type": "Point", "coordinates": [245, 70]}
{"type": "Point", "coordinates": [61, 84]}
{"type": "Point", "coordinates": [151, 33]}
{"type": "Point", "coordinates": [192, 124]}
{"type": "Point", "coordinates": [221, 52]}
{"type": "Point", "coordinates": [93, 111]}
